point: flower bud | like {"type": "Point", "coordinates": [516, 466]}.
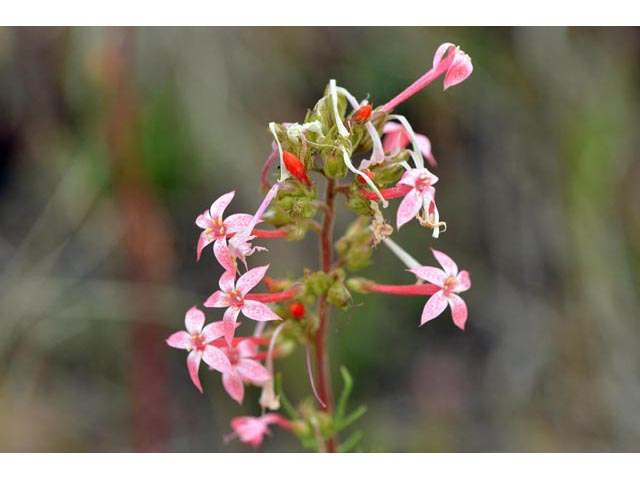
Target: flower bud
{"type": "Point", "coordinates": [334, 166]}
{"type": "Point", "coordinates": [339, 296]}
{"type": "Point", "coordinates": [363, 113]}
{"type": "Point", "coordinates": [297, 310]}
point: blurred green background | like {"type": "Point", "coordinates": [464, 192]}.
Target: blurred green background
{"type": "Point", "coordinates": [113, 140]}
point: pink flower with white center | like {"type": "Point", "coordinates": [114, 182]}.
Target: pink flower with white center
{"type": "Point", "coordinates": [232, 296]}
{"type": "Point", "coordinates": [420, 193]}
{"type": "Point", "coordinates": [197, 341]}
{"type": "Point", "coordinates": [251, 430]}
{"type": "Point", "coordinates": [215, 227]}
{"type": "Point", "coordinates": [450, 282]}
{"type": "Point", "coordinates": [243, 369]}
{"type": "Point", "coordinates": [396, 138]}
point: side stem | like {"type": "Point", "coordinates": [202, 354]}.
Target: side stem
{"type": "Point", "coordinates": [326, 261]}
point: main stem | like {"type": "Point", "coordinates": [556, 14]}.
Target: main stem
{"type": "Point", "coordinates": [326, 261]}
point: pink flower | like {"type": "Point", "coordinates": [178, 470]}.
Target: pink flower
{"type": "Point", "coordinates": [420, 193]}
{"type": "Point", "coordinates": [251, 430]}
{"type": "Point", "coordinates": [197, 341]}
{"type": "Point", "coordinates": [215, 228]}
{"type": "Point", "coordinates": [243, 369]}
{"type": "Point", "coordinates": [456, 66]}
{"type": "Point", "coordinates": [396, 138]}
{"type": "Point", "coordinates": [239, 245]}
{"type": "Point", "coordinates": [232, 296]}
{"type": "Point", "coordinates": [450, 282]}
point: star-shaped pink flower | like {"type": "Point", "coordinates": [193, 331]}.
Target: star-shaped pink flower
{"type": "Point", "coordinates": [450, 282]}
{"type": "Point", "coordinates": [197, 341]}
{"type": "Point", "coordinates": [396, 138]}
{"type": "Point", "coordinates": [243, 369]}
{"type": "Point", "coordinates": [251, 430]}
{"type": "Point", "coordinates": [215, 227]}
{"type": "Point", "coordinates": [232, 297]}
{"type": "Point", "coordinates": [420, 193]}
{"type": "Point", "coordinates": [239, 245]}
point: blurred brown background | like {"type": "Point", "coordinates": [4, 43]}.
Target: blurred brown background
{"type": "Point", "coordinates": [113, 140]}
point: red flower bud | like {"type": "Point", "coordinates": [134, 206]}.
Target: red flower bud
{"type": "Point", "coordinates": [297, 310]}
{"type": "Point", "coordinates": [363, 113]}
{"type": "Point", "coordinates": [368, 173]}
{"type": "Point", "coordinates": [295, 166]}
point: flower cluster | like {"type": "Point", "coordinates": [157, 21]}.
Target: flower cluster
{"type": "Point", "coordinates": [293, 311]}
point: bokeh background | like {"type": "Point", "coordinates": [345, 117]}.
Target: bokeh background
{"type": "Point", "coordinates": [113, 140]}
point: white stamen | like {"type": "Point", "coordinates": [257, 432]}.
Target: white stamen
{"type": "Point", "coordinates": [268, 398]}
{"type": "Point", "coordinates": [350, 98]}
{"type": "Point", "coordinates": [416, 154]}
{"type": "Point", "coordinates": [334, 100]}
{"type": "Point", "coordinates": [378, 153]}
{"type": "Point", "coordinates": [405, 165]}
{"type": "Point", "coordinates": [347, 162]}
{"type": "Point", "coordinates": [399, 252]}
{"type": "Point", "coordinates": [436, 221]}
{"type": "Point", "coordinates": [284, 173]}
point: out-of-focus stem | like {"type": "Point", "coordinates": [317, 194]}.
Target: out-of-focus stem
{"type": "Point", "coordinates": [326, 261]}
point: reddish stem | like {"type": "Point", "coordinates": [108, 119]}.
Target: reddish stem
{"type": "Point", "coordinates": [267, 165]}
{"type": "Point", "coordinates": [326, 261]}
{"type": "Point", "coordinates": [388, 193]}
{"type": "Point", "coordinates": [221, 342]}
{"type": "Point", "coordinates": [268, 233]}
{"type": "Point", "coordinates": [423, 289]}
{"type": "Point", "coordinates": [273, 297]}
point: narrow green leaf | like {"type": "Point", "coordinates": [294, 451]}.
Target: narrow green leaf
{"type": "Point", "coordinates": [344, 396]}
{"type": "Point", "coordinates": [351, 442]}
{"type": "Point", "coordinates": [341, 425]}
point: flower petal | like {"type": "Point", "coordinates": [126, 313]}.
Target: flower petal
{"type": "Point", "coordinates": [442, 49]}
{"type": "Point", "coordinates": [250, 279]}
{"type": "Point", "coordinates": [212, 332]}
{"type": "Point", "coordinates": [458, 310]}
{"type": "Point", "coordinates": [204, 219]}
{"type": "Point", "coordinates": [459, 70]}
{"type": "Point", "coordinates": [204, 240]}
{"type": "Point", "coordinates": [223, 255]}
{"type": "Point", "coordinates": [193, 363]}
{"type": "Point", "coordinates": [218, 207]}
{"type": "Point", "coordinates": [194, 320]}
{"type": "Point", "coordinates": [463, 282]}
{"type": "Point", "coordinates": [430, 274]}
{"type": "Point", "coordinates": [258, 311]}
{"type": "Point", "coordinates": [434, 307]}
{"type": "Point", "coordinates": [409, 207]}
{"type": "Point", "coordinates": [227, 281]}
{"type": "Point", "coordinates": [233, 385]}
{"type": "Point", "coordinates": [216, 359]}
{"type": "Point", "coordinates": [425, 148]}
{"type": "Point", "coordinates": [180, 340]}
{"type": "Point", "coordinates": [236, 222]}
{"type": "Point", "coordinates": [447, 263]}
{"type": "Point", "coordinates": [250, 430]}
{"type": "Point", "coordinates": [229, 323]}
{"type": "Point", "coordinates": [217, 299]}
{"type": "Point", "coordinates": [247, 348]}
{"type": "Point", "coordinates": [412, 176]}
{"type": "Point", "coordinates": [253, 371]}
